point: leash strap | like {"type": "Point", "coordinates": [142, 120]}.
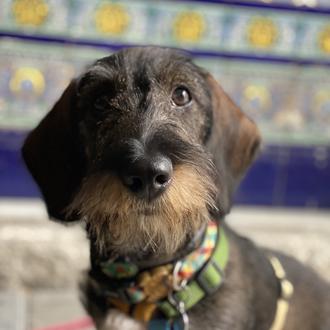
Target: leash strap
{"type": "Point", "coordinates": [207, 281]}
{"type": "Point", "coordinates": [286, 294]}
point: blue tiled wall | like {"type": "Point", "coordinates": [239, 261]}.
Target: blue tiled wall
{"type": "Point", "coordinates": [272, 59]}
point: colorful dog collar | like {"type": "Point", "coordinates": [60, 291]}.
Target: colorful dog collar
{"type": "Point", "coordinates": [173, 288]}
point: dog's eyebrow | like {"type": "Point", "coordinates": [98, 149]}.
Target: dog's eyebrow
{"type": "Point", "coordinates": [101, 71]}
{"type": "Point", "coordinates": [141, 79]}
{"type": "Point", "coordinates": [101, 78]}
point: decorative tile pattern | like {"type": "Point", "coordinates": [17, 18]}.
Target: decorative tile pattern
{"type": "Point", "coordinates": [257, 55]}
{"type": "Point", "coordinates": [290, 104]}
{"type": "Point", "coordinates": [32, 78]}
{"type": "Point", "coordinates": [189, 24]}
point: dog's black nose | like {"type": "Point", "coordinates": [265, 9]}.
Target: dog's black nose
{"type": "Point", "coordinates": [148, 177]}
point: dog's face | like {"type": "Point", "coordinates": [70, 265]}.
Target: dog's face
{"type": "Point", "coordinates": [144, 145]}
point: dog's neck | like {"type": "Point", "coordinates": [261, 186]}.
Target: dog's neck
{"type": "Point", "coordinates": [156, 284]}
{"type": "Point", "coordinates": [147, 255]}
{"type": "Point", "coordinates": [150, 258]}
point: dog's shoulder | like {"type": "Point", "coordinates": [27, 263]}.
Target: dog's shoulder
{"type": "Point", "coordinates": [309, 307]}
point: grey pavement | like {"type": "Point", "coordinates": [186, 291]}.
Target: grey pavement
{"type": "Point", "coordinates": [42, 309]}
{"type": "Point", "coordinates": [41, 261]}
{"type": "Point", "coordinates": [13, 311]}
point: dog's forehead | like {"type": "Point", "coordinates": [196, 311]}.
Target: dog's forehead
{"type": "Point", "coordinates": [156, 57]}
{"type": "Point", "coordinates": [145, 64]}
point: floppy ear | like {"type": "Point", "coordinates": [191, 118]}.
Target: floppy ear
{"type": "Point", "coordinates": [233, 142]}
{"type": "Point", "coordinates": [53, 155]}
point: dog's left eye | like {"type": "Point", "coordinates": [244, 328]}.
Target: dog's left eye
{"type": "Point", "coordinates": [181, 96]}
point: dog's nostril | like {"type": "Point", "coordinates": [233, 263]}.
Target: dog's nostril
{"type": "Point", "coordinates": [162, 170]}
{"type": "Point", "coordinates": [135, 183]}
{"type": "Point", "coordinates": [161, 179]}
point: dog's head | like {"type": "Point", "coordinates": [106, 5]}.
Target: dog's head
{"type": "Point", "coordinates": [144, 145]}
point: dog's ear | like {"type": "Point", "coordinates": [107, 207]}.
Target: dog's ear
{"type": "Point", "coordinates": [233, 142]}
{"type": "Point", "coordinates": [53, 155]}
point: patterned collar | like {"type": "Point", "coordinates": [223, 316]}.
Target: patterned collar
{"type": "Point", "coordinates": [170, 289]}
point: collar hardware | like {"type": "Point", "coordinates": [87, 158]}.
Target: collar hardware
{"type": "Point", "coordinates": [206, 282]}
{"type": "Point", "coordinates": [210, 277]}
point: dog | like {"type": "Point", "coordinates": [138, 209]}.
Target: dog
{"type": "Point", "coordinates": [147, 149]}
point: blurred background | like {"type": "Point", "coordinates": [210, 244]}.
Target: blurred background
{"type": "Point", "coordinates": [272, 58]}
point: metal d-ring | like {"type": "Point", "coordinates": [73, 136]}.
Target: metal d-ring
{"type": "Point", "coordinates": [177, 286]}
{"type": "Point", "coordinates": [179, 305]}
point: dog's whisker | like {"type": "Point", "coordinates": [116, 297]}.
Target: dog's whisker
{"type": "Point", "coordinates": [150, 243]}
{"type": "Point", "coordinates": [109, 207]}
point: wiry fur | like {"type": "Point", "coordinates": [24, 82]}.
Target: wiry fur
{"type": "Point", "coordinates": [125, 224]}
{"type": "Point", "coordinates": [121, 111]}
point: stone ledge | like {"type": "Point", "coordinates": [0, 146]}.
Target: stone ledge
{"type": "Point", "coordinates": [13, 311]}
{"type": "Point", "coordinates": [38, 253]}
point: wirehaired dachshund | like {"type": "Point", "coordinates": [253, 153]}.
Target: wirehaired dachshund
{"type": "Point", "coordinates": [147, 149]}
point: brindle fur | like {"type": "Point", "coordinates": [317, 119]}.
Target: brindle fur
{"type": "Point", "coordinates": [119, 110]}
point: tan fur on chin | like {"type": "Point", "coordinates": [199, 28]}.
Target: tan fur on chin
{"type": "Point", "coordinates": [126, 224]}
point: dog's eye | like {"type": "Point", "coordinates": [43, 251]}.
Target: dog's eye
{"type": "Point", "coordinates": [101, 103]}
{"type": "Point", "coordinates": [181, 96]}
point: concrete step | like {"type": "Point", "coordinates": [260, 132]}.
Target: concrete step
{"type": "Point", "coordinates": [41, 261]}
{"type": "Point", "coordinates": [13, 311]}
{"type": "Point", "coordinates": [36, 253]}
{"type": "Point", "coordinates": [42, 310]}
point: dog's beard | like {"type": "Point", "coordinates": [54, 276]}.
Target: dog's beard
{"type": "Point", "coordinates": [127, 225]}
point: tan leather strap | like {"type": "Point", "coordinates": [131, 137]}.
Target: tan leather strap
{"type": "Point", "coordinates": [287, 290]}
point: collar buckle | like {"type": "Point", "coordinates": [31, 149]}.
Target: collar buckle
{"type": "Point", "coordinates": [210, 277]}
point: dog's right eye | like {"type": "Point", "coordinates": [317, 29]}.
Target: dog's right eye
{"type": "Point", "coordinates": [101, 103]}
